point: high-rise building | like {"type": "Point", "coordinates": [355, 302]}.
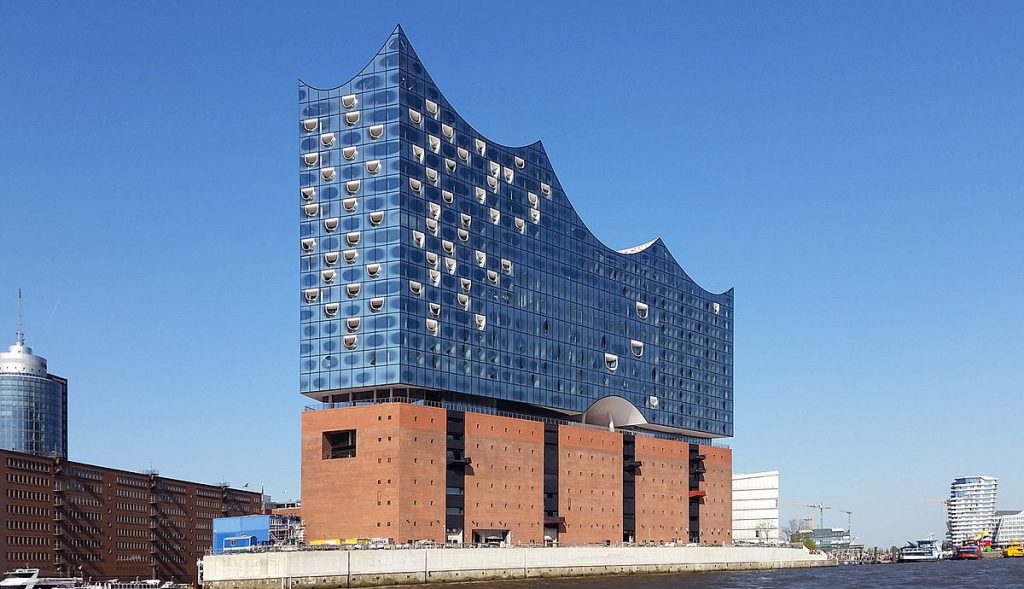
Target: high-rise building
{"type": "Point", "coordinates": [1009, 528]}
{"type": "Point", "coordinates": [971, 508]}
{"type": "Point", "coordinates": [755, 507]}
{"type": "Point", "coordinates": [33, 402]}
{"type": "Point", "coordinates": [443, 269]}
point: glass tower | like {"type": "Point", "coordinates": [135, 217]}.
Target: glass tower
{"type": "Point", "coordinates": [440, 265]}
{"type": "Point", "coordinates": [33, 404]}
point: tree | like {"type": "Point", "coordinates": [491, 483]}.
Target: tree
{"type": "Point", "coordinates": [791, 532]}
{"type": "Point", "coordinates": [809, 544]}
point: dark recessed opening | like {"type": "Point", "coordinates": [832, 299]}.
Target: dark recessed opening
{"type": "Point", "coordinates": [340, 444]}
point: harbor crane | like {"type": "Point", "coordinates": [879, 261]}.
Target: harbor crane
{"type": "Point", "coordinates": [849, 522]}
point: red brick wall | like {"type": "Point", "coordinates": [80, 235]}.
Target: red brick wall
{"type": "Point", "coordinates": [589, 485]}
{"type": "Point", "coordinates": [716, 512]}
{"type": "Point", "coordinates": [505, 486]}
{"type": "Point", "coordinates": [662, 490]}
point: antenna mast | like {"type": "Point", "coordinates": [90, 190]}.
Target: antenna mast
{"type": "Point", "coordinates": [19, 335]}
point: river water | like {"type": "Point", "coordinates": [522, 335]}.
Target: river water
{"type": "Point", "coordinates": [1001, 573]}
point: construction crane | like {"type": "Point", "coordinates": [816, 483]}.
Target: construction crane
{"type": "Point", "coordinates": [821, 511]}
{"type": "Point", "coordinates": [849, 521]}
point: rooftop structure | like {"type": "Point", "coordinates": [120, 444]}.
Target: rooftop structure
{"type": "Point", "coordinates": [971, 508]}
{"type": "Point", "coordinates": [438, 264]}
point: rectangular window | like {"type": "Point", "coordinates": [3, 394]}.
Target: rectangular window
{"type": "Point", "coordinates": [340, 444]}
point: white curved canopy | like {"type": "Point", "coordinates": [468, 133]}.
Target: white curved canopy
{"type": "Point", "coordinates": [613, 411]}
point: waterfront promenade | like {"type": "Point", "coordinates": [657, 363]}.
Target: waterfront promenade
{"type": "Point", "coordinates": [371, 568]}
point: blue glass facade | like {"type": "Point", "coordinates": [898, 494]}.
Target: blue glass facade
{"type": "Point", "coordinates": [435, 259]}
{"type": "Point", "coordinates": [33, 404]}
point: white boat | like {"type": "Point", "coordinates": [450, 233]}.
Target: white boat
{"type": "Point", "coordinates": [30, 579]}
{"type": "Point", "coordinates": [921, 551]}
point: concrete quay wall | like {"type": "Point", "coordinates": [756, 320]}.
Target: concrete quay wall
{"type": "Point", "coordinates": [373, 568]}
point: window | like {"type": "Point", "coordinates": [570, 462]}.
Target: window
{"type": "Point", "coordinates": [327, 139]}
{"type": "Point", "coordinates": [311, 294]}
{"type": "Point", "coordinates": [327, 276]}
{"type": "Point", "coordinates": [349, 100]}
{"type": "Point", "coordinates": [327, 174]}
{"type": "Point", "coordinates": [481, 321]}
{"type": "Point", "coordinates": [447, 131]}
{"type": "Point", "coordinates": [463, 154]}
{"type": "Point", "coordinates": [376, 217]}
{"type": "Point", "coordinates": [435, 143]}
{"type": "Point", "coordinates": [447, 196]}
{"type": "Point", "coordinates": [331, 309]}
{"type": "Point", "coordinates": [481, 194]}
{"type": "Point", "coordinates": [641, 310]}
{"type": "Point", "coordinates": [415, 288]}
{"type": "Point", "coordinates": [611, 362]}
{"type": "Point", "coordinates": [481, 147]}
{"type": "Point", "coordinates": [432, 175]}
{"type": "Point", "coordinates": [350, 256]}
{"type": "Point", "coordinates": [331, 225]}
{"type": "Point", "coordinates": [350, 341]}
{"type": "Point", "coordinates": [340, 444]}
{"type": "Point", "coordinates": [373, 167]}
{"type": "Point", "coordinates": [481, 258]}
{"type": "Point", "coordinates": [308, 193]}
{"type": "Point", "coordinates": [349, 153]}
{"type": "Point", "coordinates": [349, 204]}
{"type": "Point", "coordinates": [520, 162]}
{"type": "Point", "coordinates": [415, 185]}
{"type": "Point", "coordinates": [311, 159]}
{"type": "Point", "coordinates": [352, 290]}
{"type": "Point", "coordinates": [310, 125]}
{"type": "Point", "coordinates": [331, 258]}
{"type": "Point", "coordinates": [376, 131]}
{"type": "Point", "coordinates": [352, 186]}
{"type": "Point", "coordinates": [311, 210]}
{"type": "Point", "coordinates": [418, 238]}
{"type": "Point", "coordinates": [352, 324]}
{"type": "Point", "coordinates": [431, 107]}
{"type": "Point", "coordinates": [415, 116]}
{"type": "Point", "coordinates": [352, 118]}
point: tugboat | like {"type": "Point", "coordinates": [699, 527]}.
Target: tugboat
{"type": "Point", "coordinates": [921, 551]}
{"type": "Point", "coordinates": [30, 579]}
{"type": "Point", "coordinates": [1013, 551]}
{"type": "Point", "coordinates": [968, 551]}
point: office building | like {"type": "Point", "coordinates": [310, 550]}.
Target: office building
{"type": "Point", "coordinates": [1009, 528]}
{"type": "Point", "coordinates": [73, 519]}
{"type": "Point", "coordinates": [755, 508]}
{"type": "Point", "coordinates": [33, 403]}
{"type": "Point", "coordinates": [971, 508]}
{"type": "Point", "coordinates": [831, 539]}
{"type": "Point", "coordinates": [489, 368]}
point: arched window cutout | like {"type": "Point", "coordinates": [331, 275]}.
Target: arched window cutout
{"type": "Point", "coordinates": [373, 167]}
{"type": "Point", "coordinates": [432, 175]}
{"type": "Point", "coordinates": [415, 116]}
{"type": "Point", "coordinates": [434, 142]}
{"type": "Point", "coordinates": [481, 321]}
{"type": "Point", "coordinates": [448, 247]}
{"type": "Point", "coordinates": [716, 308]}
{"type": "Point", "coordinates": [376, 304]}
{"type": "Point", "coordinates": [417, 153]}
{"type": "Point", "coordinates": [352, 237]}
{"type": "Point", "coordinates": [432, 326]}
{"type": "Point", "coordinates": [415, 185]}
{"type": "Point", "coordinates": [506, 265]}
{"type": "Point", "coordinates": [495, 216]}
{"type": "Point", "coordinates": [310, 125]}
{"type": "Point", "coordinates": [641, 310]}
{"type": "Point", "coordinates": [466, 284]}
{"type": "Point", "coordinates": [463, 234]}
{"type": "Point", "coordinates": [308, 193]}
{"type": "Point", "coordinates": [431, 225]}
{"type": "Point", "coordinates": [450, 265]}
{"type": "Point", "coordinates": [533, 198]}
{"type": "Point", "coordinates": [509, 174]}
{"type": "Point", "coordinates": [327, 139]}
{"type": "Point", "coordinates": [466, 220]}
{"type": "Point", "coordinates": [350, 341]}
{"type": "Point", "coordinates": [311, 209]}
{"type": "Point", "coordinates": [449, 165]}
{"type": "Point", "coordinates": [463, 154]}
{"type": "Point", "coordinates": [434, 209]}
{"type": "Point", "coordinates": [463, 300]}
{"type": "Point", "coordinates": [535, 216]}
{"type": "Point", "coordinates": [373, 270]}
{"type": "Point", "coordinates": [611, 362]}
{"type": "Point", "coordinates": [520, 162]}
{"type": "Point", "coordinates": [310, 159]}
{"type": "Point", "coordinates": [435, 277]}
{"type": "Point", "coordinates": [481, 194]}
{"type": "Point", "coordinates": [492, 276]}
{"type": "Point", "coordinates": [447, 131]}
{"type": "Point", "coordinates": [352, 290]}
{"type": "Point", "coordinates": [432, 259]}
{"type": "Point", "coordinates": [545, 189]}
{"type": "Point", "coordinates": [308, 244]}
{"type": "Point", "coordinates": [415, 288]}
{"type": "Point", "coordinates": [493, 183]}
{"type": "Point", "coordinates": [331, 225]}
{"type": "Point", "coordinates": [328, 276]}
{"type": "Point", "coordinates": [431, 107]}
{"type": "Point", "coordinates": [331, 309]}
{"type": "Point", "coordinates": [352, 324]}
{"type": "Point", "coordinates": [352, 186]}
{"type": "Point", "coordinates": [376, 217]}
{"type": "Point", "coordinates": [448, 196]}
{"type": "Point", "coordinates": [352, 118]}
{"type": "Point", "coordinates": [481, 258]}
{"type": "Point", "coordinates": [481, 147]}
{"type": "Point", "coordinates": [311, 294]}
{"type": "Point", "coordinates": [435, 309]}
{"type": "Point", "coordinates": [349, 100]}
{"type": "Point", "coordinates": [376, 131]}
{"type": "Point", "coordinates": [327, 174]}
{"type": "Point", "coordinates": [494, 168]}
{"type": "Point", "coordinates": [520, 225]}
{"type": "Point", "coordinates": [349, 204]}
{"type": "Point", "coordinates": [350, 256]}
{"type": "Point", "coordinates": [637, 347]}
{"type": "Point", "coordinates": [418, 239]}
{"type": "Point", "coordinates": [331, 258]}
{"type": "Point", "coordinates": [349, 153]}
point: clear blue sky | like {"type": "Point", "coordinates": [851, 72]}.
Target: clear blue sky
{"type": "Point", "coordinates": [854, 170]}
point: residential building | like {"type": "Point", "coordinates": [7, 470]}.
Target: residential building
{"type": "Point", "coordinates": [755, 508]}
{"type": "Point", "coordinates": [74, 519]}
{"type": "Point", "coordinates": [33, 403]}
{"type": "Point", "coordinates": [971, 508]}
{"type": "Point", "coordinates": [489, 369]}
{"type": "Point", "coordinates": [1009, 528]}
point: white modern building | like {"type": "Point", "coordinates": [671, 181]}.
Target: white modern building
{"type": "Point", "coordinates": [755, 508]}
{"type": "Point", "coordinates": [971, 508]}
{"type": "Point", "coordinates": [1009, 528]}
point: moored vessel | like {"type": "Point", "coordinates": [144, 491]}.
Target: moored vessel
{"type": "Point", "coordinates": [967, 552]}
{"type": "Point", "coordinates": [921, 551]}
{"type": "Point", "coordinates": [30, 579]}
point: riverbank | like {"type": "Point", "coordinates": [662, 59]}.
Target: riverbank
{"type": "Point", "coordinates": [329, 569]}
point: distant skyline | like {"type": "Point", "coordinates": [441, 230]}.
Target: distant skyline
{"type": "Point", "coordinates": [853, 171]}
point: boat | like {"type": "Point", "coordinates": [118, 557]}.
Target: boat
{"type": "Point", "coordinates": [30, 579]}
{"type": "Point", "coordinates": [1013, 551]}
{"type": "Point", "coordinates": [921, 551]}
{"type": "Point", "coordinates": [967, 552]}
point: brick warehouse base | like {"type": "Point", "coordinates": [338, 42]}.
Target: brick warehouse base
{"type": "Point", "coordinates": [415, 472]}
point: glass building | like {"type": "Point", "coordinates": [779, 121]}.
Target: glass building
{"type": "Point", "coordinates": [438, 264]}
{"type": "Point", "coordinates": [33, 404]}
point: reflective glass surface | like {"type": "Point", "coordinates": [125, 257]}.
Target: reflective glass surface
{"type": "Point", "coordinates": [32, 415]}
{"type": "Point", "coordinates": [474, 273]}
